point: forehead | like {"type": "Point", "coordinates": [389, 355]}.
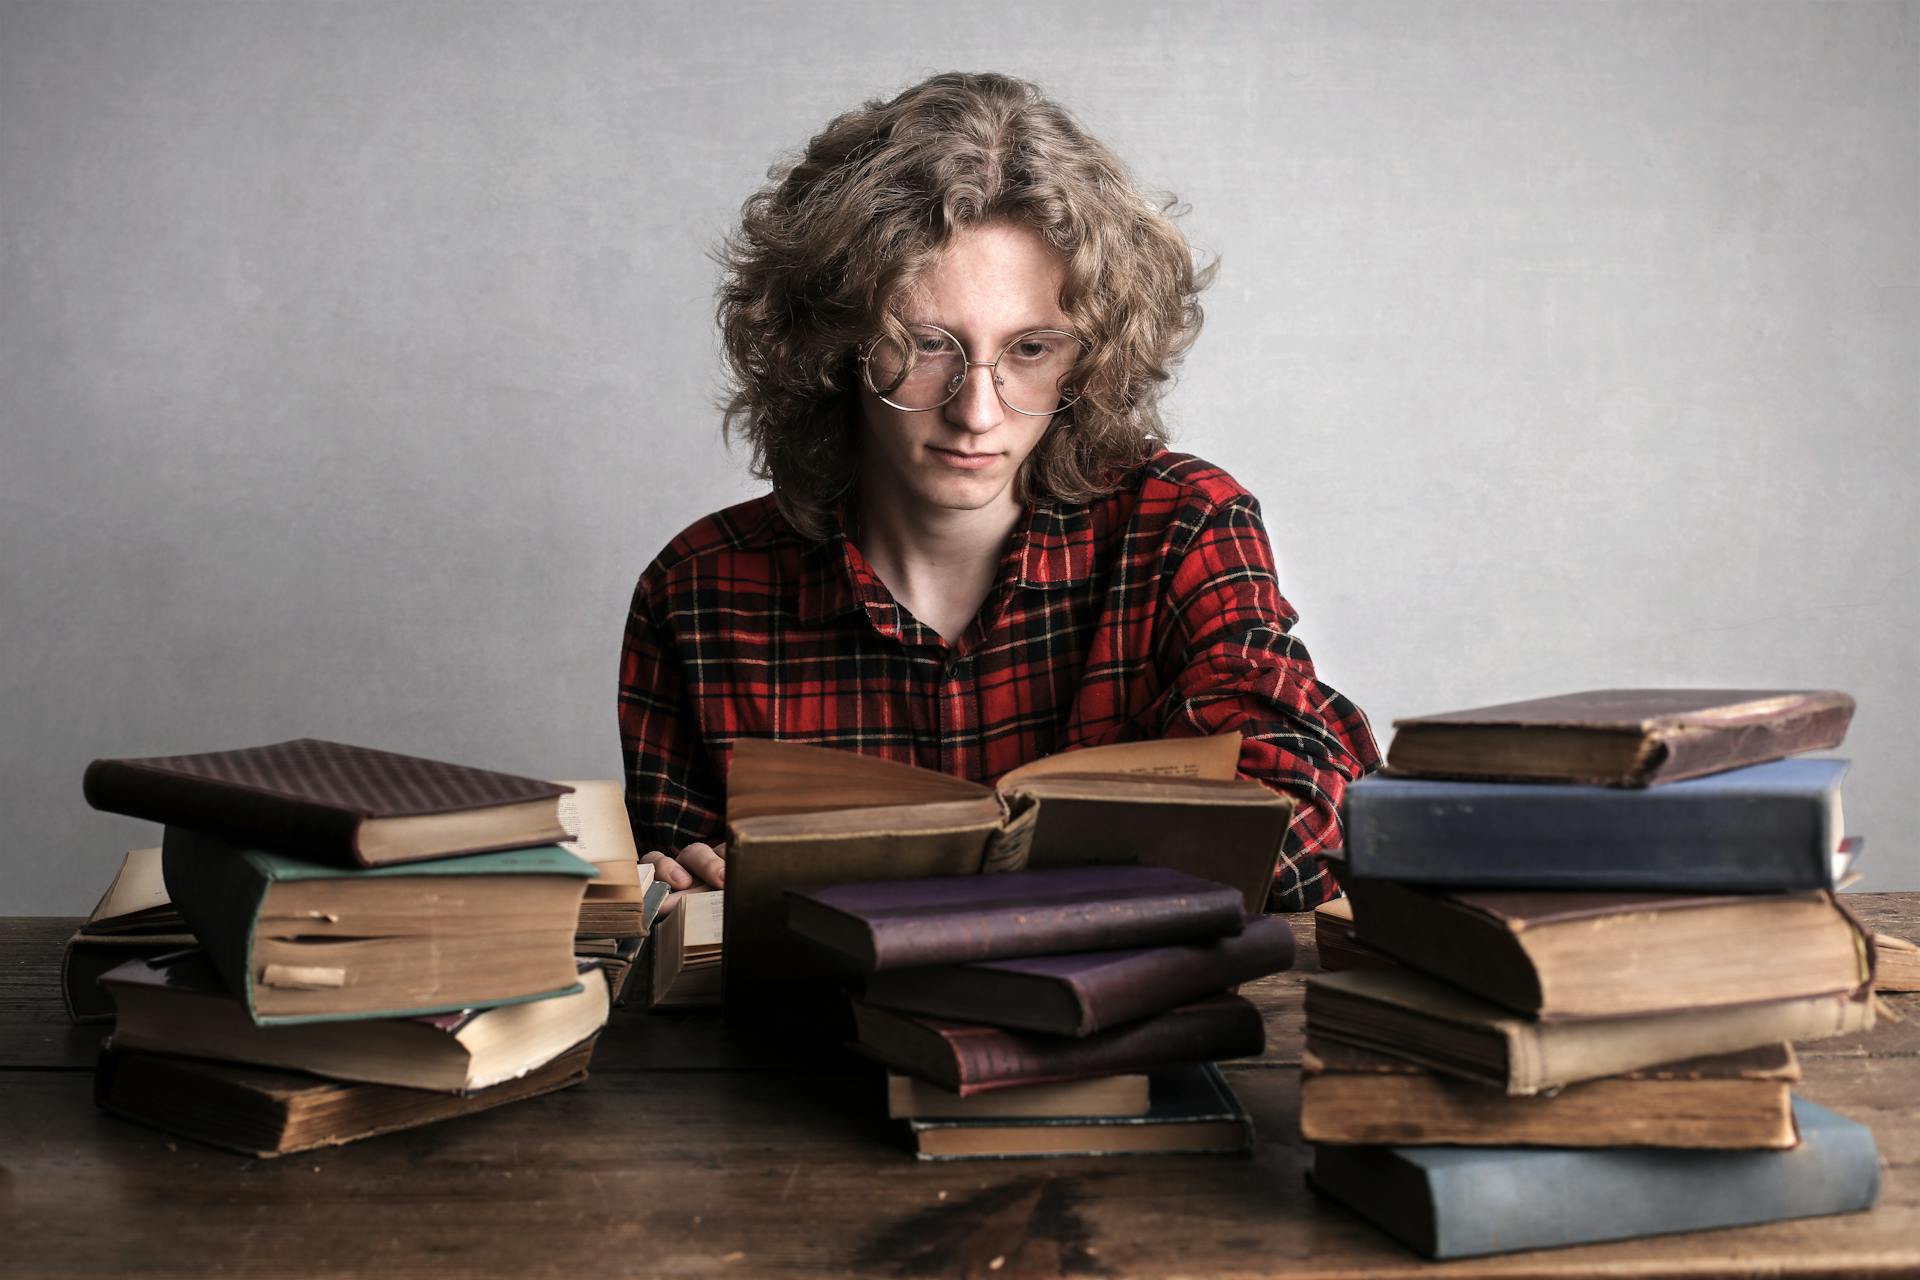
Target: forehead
{"type": "Point", "coordinates": [999, 277]}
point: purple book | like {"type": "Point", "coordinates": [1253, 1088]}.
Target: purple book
{"type": "Point", "coordinates": [1086, 991]}
{"type": "Point", "coordinates": [900, 924]}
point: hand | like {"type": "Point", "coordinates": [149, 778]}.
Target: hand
{"type": "Point", "coordinates": [698, 868]}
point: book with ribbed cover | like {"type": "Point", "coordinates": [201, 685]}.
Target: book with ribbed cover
{"type": "Point", "coordinates": [1597, 954]}
{"type": "Point", "coordinates": [1457, 1202]}
{"type": "Point", "coordinates": [969, 1057]}
{"type": "Point", "coordinates": [332, 802]}
{"type": "Point", "coordinates": [1730, 1101]}
{"type": "Point", "coordinates": [1621, 737]}
{"type": "Point", "coordinates": [1761, 829]}
{"type": "Point", "coordinates": [262, 1112]}
{"type": "Point", "coordinates": [303, 941]}
{"type": "Point", "coordinates": [1407, 1015]}
{"type": "Point", "coordinates": [1192, 1111]}
{"type": "Point", "coordinates": [1086, 991]}
{"type": "Point", "coordinates": [177, 1004]}
{"type": "Point", "coordinates": [899, 924]}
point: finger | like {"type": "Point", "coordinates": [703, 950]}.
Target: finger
{"type": "Point", "coordinates": [705, 863]}
{"type": "Point", "coordinates": [669, 872]}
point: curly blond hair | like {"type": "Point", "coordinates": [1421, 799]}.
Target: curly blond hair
{"type": "Point", "coordinates": [826, 250]}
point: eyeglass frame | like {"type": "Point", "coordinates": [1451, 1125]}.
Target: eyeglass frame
{"type": "Point", "coordinates": [960, 379]}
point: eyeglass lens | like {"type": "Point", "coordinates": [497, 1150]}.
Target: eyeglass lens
{"type": "Point", "coordinates": [1030, 372]}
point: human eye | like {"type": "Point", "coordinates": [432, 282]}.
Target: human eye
{"type": "Point", "coordinates": [931, 342]}
{"type": "Point", "coordinates": [1038, 348]}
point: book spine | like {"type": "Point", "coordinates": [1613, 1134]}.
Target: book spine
{"type": "Point", "coordinates": [1557, 837]}
{"type": "Point", "coordinates": [1206, 1031]}
{"type": "Point", "coordinates": [1543, 1198]}
{"type": "Point", "coordinates": [1687, 752]}
{"type": "Point", "coordinates": [1043, 928]}
{"type": "Point", "coordinates": [238, 814]}
{"type": "Point", "coordinates": [218, 891]}
{"type": "Point", "coordinates": [1158, 979]}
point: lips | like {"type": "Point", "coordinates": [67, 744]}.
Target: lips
{"type": "Point", "coordinates": [967, 461]}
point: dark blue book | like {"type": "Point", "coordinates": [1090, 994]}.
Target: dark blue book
{"type": "Point", "coordinates": [1767, 828]}
{"type": "Point", "coordinates": [1458, 1202]}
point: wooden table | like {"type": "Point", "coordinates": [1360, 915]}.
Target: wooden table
{"type": "Point", "coordinates": [686, 1154]}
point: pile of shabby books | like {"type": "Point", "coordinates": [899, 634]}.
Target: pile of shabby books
{"type": "Point", "coordinates": [383, 941]}
{"type": "Point", "coordinates": [1072, 1011]}
{"type": "Point", "coordinates": [1584, 931]}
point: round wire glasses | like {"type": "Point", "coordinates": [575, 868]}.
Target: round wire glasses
{"type": "Point", "coordinates": [1030, 374]}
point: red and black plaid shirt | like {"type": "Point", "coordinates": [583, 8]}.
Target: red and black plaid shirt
{"type": "Point", "coordinates": [1152, 612]}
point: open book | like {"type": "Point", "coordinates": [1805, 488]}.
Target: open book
{"type": "Point", "coordinates": [803, 817]}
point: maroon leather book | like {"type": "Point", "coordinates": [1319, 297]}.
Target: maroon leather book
{"type": "Point", "coordinates": [1621, 737]}
{"type": "Point", "coordinates": [332, 802]}
{"type": "Point", "coordinates": [970, 1058]}
{"type": "Point", "coordinates": [1086, 991]}
{"type": "Point", "coordinates": [900, 924]}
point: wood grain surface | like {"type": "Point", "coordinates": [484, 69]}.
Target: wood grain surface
{"type": "Point", "coordinates": [688, 1153]}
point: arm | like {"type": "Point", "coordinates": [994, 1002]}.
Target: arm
{"type": "Point", "coordinates": [1224, 640]}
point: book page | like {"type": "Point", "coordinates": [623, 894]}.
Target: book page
{"type": "Point", "coordinates": [595, 815]}
{"type": "Point", "coordinates": [138, 887]}
{"type": "Point", "coordinates": [1216, 757]}
{"type": "Point", "coordinates": [768, 777]}
{"type": "Point", "coordinates": [703, 914]}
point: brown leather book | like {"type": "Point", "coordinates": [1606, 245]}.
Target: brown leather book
{"type": "Point", "coordinates": [332, 802]}
{"type": "Point", "coordinates": [1620, 737]}
{"type": "Point", "coordinates": [1578, 954]}
{"type": "Point", "coordinates": [1335, 943]}
{"type": "Point", "coordinates": [260, 1112]}
{"type": "Point", "coordinates": [968, 1058]}
{"type": "Point", "coordinates": [1734, 1101]}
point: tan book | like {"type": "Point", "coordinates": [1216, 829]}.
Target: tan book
{"type": "Point", "coordinates": [1402, 1013]}
{"type": "Point", "coordinates": [1896, 964]}
{"type": "Point", "coordinates": [685, 946]}
{"type": "Point", "coordinates": [1737, 1101]}
{"type": "Point", "coordinates": [909, 1098]}
{"type": "Point", "coordinates": [1575, 954]}
{"type": "Point", "coordinates": [803, 817]}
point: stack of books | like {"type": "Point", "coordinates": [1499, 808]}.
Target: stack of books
{"type": "Point", "coordinates": [1075, 1011]}
{"type": "Point", "coordinates": [1584, 931]}
{"type": "Point", "coordinates": [623, 898]}
{"type": "Point", "coordinates": [383, 941]}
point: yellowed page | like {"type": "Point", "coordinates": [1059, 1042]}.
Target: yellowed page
{"type": "Point", "coordinates": [1216, 757]}
{"type": "Point", "coordinates": [595, 816]}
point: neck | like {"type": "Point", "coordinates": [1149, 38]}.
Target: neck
{"type": "Point", "coordinates": [940, 563]}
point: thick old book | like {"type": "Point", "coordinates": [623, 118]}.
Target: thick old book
{"type": "Point", "coordinates": [594, 812]}
{"type": "Point", "coordinates": [1598, 954]}
{"type": "Point", "coordinates": [1896, 965]}
{"type": "Point", "coordinates": [1735, 1101]}
{"type": "Point", "coordinates": [941, 920]}
{"type": "Point", "coordinates": [301, 941]}
{"type": "Point", "coordinates": [686, 953]}
{"type": "Point", "coordinates": [618, 958]}
{"type": "Point", "coordinates": [802, 817]}
{"type": "Point", "coordinates": [970, 1058]}
{"type": "Point", "coordinates": [1088, 991]}
{"type": "Point", "coordinates": [262, 1112]}
{"type": "Point", "coordinates": [1192, 1111]}
{"type": "Point", "coordinates": [1335, 942]}
{"type": "Point", "coordinates": [1118, 1095]}
{"type": "Point", "coordinates": [1456, 1202]}
{"type": "Point", "coordinates": [1403, 1014]}
{"type": "Point", "coordinates": [87, 956]}
{"type": "Point", "coordinates": [136, 901]}
{"type": "Point", "coordinates": [1765, 828]}
{"type": "Point", "coordinates": [332, 802]}
{"type": "Point", "coordinates": [1621, 737]}
{"type": "Point", "coordinates": [178, 1004]}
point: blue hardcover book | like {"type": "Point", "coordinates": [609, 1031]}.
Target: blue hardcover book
{"type": "Point", "coordinates": [1458, 1202]}
{"type": "Point", "coordinates": [1767, 828]}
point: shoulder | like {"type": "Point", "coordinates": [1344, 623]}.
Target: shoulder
{"type": "Point", "coordinates": [1169, 497]}
{"type": "Point", "coordinates": [749, 542]}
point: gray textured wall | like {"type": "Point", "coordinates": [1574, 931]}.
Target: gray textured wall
{"type": "Point", "coordinates": [358, 355]}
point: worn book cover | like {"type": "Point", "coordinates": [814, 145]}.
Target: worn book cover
{"type": "Point", "coordinates": [806, 817]}
{"type": "Point", "coordinates": [1761, 829]}
{"type": "Point", "coordinates": [1722, 1102]}
{"type": "Point", "coordinates": [1406, 1015]}
{"type": "Point", "coordinates": [1565, 954]}
{"type": "Point", "coordinates": [333, 802]}
{"type": "Point", "coordinates": [301, 941]}
{"type": "Point", "coordinates": [1621, 737]}
{"type": "Point", "coordinates": [1192, 1111]}
{"type": "Point", "coordinates": [1084, 992]}
{"type": "Point", "coordinates": [1456, 1202]}
{"type": "Point", "coordinates": [969, 1058]}
{"type": "Point", "coordinates": [910, 1098]}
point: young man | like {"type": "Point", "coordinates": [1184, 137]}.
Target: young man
{"type": "Point", "coordinates": [948, 325]}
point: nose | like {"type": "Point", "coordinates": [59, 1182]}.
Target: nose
{"type": "Point", "coordinates": [976, 405]}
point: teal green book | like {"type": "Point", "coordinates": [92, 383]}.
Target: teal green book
{"type": "Point", "coordinates": [302, 941]}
